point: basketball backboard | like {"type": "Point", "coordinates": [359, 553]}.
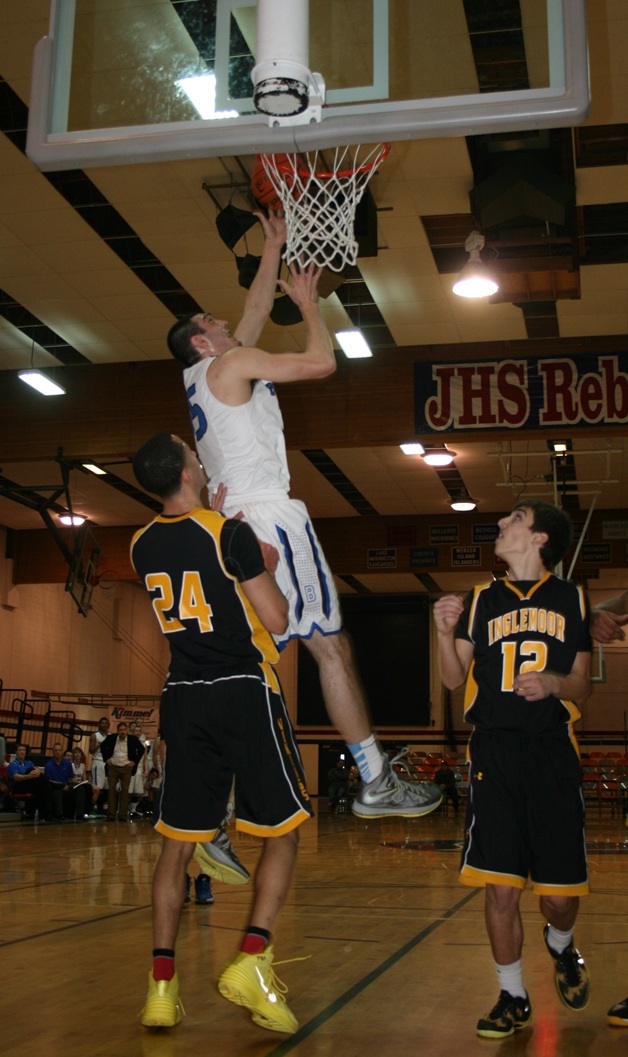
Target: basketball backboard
{"type": "Point", "coordinates": [115, 80]}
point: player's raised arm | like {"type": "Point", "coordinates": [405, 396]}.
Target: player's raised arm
{"type": "Point", "coordinates": [259, 300]}
{"type": "Point", "coordinates": [230, 374]}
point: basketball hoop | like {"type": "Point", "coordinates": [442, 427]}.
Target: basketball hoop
{"type": "Point", "coordinates": [319, 204]}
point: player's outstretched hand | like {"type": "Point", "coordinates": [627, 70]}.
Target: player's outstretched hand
{"type": "Point", "coordinates": [303, 285]}
{"type": "Point", "coordinates": [274, 226]}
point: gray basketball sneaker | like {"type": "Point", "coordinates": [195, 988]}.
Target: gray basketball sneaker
{"type": "Point", "coordinates": [217, 858]}
{"type": "Point", "coordinates": [389, 794]}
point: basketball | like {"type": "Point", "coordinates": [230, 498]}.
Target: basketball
{"type": "Point", "coordinates": [262, 187]}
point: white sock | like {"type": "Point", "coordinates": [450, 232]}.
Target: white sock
{"type": "Point", "coordinates": [511, 979]}
{"type": "Point", "coordinates": [368, 758]}
{"type": "Point", "coordinates": [557, 940]}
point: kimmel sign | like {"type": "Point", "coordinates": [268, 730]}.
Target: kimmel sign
{"type": "Point", "coordinates": [521, 393]}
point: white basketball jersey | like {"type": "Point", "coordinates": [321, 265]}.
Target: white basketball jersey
{"type": "Point", "coordinates": [243, 446]}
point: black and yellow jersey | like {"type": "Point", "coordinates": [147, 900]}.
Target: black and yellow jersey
{"type": "Point", "coordinates": [192, 566]}
{"type": "Point", "coordinates": [518, 627]}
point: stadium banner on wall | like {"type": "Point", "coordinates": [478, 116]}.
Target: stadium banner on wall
{"type": "Point", "coordinates": [461, 557]}
{"type": "Point", "coordinates": [520, 393]}
{"type": "Point", "coordinates": [423, 557]}
{"type": "Point", "coordinates": [127, 712]}
{"type": "Point", "coordinates": [381, 558]}
{"type": "Point", "coordinates": [443, 534]}
{"type": "Point", "coordinates": [596, 553]}
{"type": "Point", "coordinates": [485, 533]}
{"type": "Point", "coordinates": [615, 530]}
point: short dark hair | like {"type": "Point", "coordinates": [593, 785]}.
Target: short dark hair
{"type": "Point", "coordinates": [159, 463]}
{"type": "Point", "coordinates": [179, 342]}
{"type": "Point", "coordinates": [555, 524]}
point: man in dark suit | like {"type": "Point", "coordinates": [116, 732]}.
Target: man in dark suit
{"type": "Point", "coordinates": [121, 753]}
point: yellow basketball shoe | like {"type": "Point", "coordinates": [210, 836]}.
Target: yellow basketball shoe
{"type": "Point", "coordinates": [250, 981]}
{"type": "Point", "coordinates": [163, 1007]}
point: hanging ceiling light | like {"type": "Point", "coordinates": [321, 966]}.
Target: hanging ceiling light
{"type": "Point", "coordinates": [41, 383]}
{"type": "Point", "coordinates": [462, 503]}
{"type": "Point", "coordinates": [72, 519]}
{"type": "Point", "coordinates": [353, 344]}
{"type": "Point", "coordinates": [474, 279]}
{"type": "Point", "coordinates": [441, 456]}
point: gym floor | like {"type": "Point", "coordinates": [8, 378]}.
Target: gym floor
{"type": "Point", "coordinates": [395, 954]}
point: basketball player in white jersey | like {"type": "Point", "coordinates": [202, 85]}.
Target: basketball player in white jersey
{"type": "Point", "coordinates": [239, 438]}
{"type": "Point", "coordinates": [98, 770]}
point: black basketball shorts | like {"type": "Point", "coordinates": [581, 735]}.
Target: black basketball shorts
{"type": "Point", "coordinates": [525, 813]}
{"type": "Point", "coordinates": [215, 730]}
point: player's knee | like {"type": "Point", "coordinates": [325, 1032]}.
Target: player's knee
{"type": "Point", "coordinates": [558, 908]}
{"type": "Point", "coordinates": [293, 837]}
{"type": "Point", "coordinates": [502, 897]}
{"type": "Point", "coordinates": [328, 648]}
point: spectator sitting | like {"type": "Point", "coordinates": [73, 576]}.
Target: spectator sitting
{"type": "Point", "coordinates": [446, 780]}
{"type": "Point", "coordinates": [24, 777]}
{"type": "Point", "coordinates": [78, 764]}
{"type": "Point", "coordinates": [80, 774]}
{"type": "Point", "coordinates": [70, 797]}
{"type": "Point", "coordinates": [4, 788]}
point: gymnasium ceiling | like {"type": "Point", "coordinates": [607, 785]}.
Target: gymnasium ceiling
{"type": "Point", "coordinates": [94, 264]}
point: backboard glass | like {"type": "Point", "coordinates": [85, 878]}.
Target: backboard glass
{"type": "Point", "coordinates": [114, 81]}
{"type": "Point", "coordinates": [83, 569]}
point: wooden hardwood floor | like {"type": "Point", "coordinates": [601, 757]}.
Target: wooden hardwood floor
{"type": "Point", "coordinates": [397, 959]}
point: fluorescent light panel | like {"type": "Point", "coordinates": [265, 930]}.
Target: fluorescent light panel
{"type": "Point", "coordinates": [412, 448]}
{"type": "Point", "coordinates": [41, 383]}
{"type": "Point", "coordinates": [353, 344]}
{"type": "Point", "coordinates": [91, 466]}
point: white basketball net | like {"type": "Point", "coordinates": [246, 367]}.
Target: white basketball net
{"type": "Point", "coordinates": [319, 203]}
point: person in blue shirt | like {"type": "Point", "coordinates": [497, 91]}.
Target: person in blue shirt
{"type": "Point", "coordinates": [70, 798]}
{"type": "Point", "coordinates": [25, 779]}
